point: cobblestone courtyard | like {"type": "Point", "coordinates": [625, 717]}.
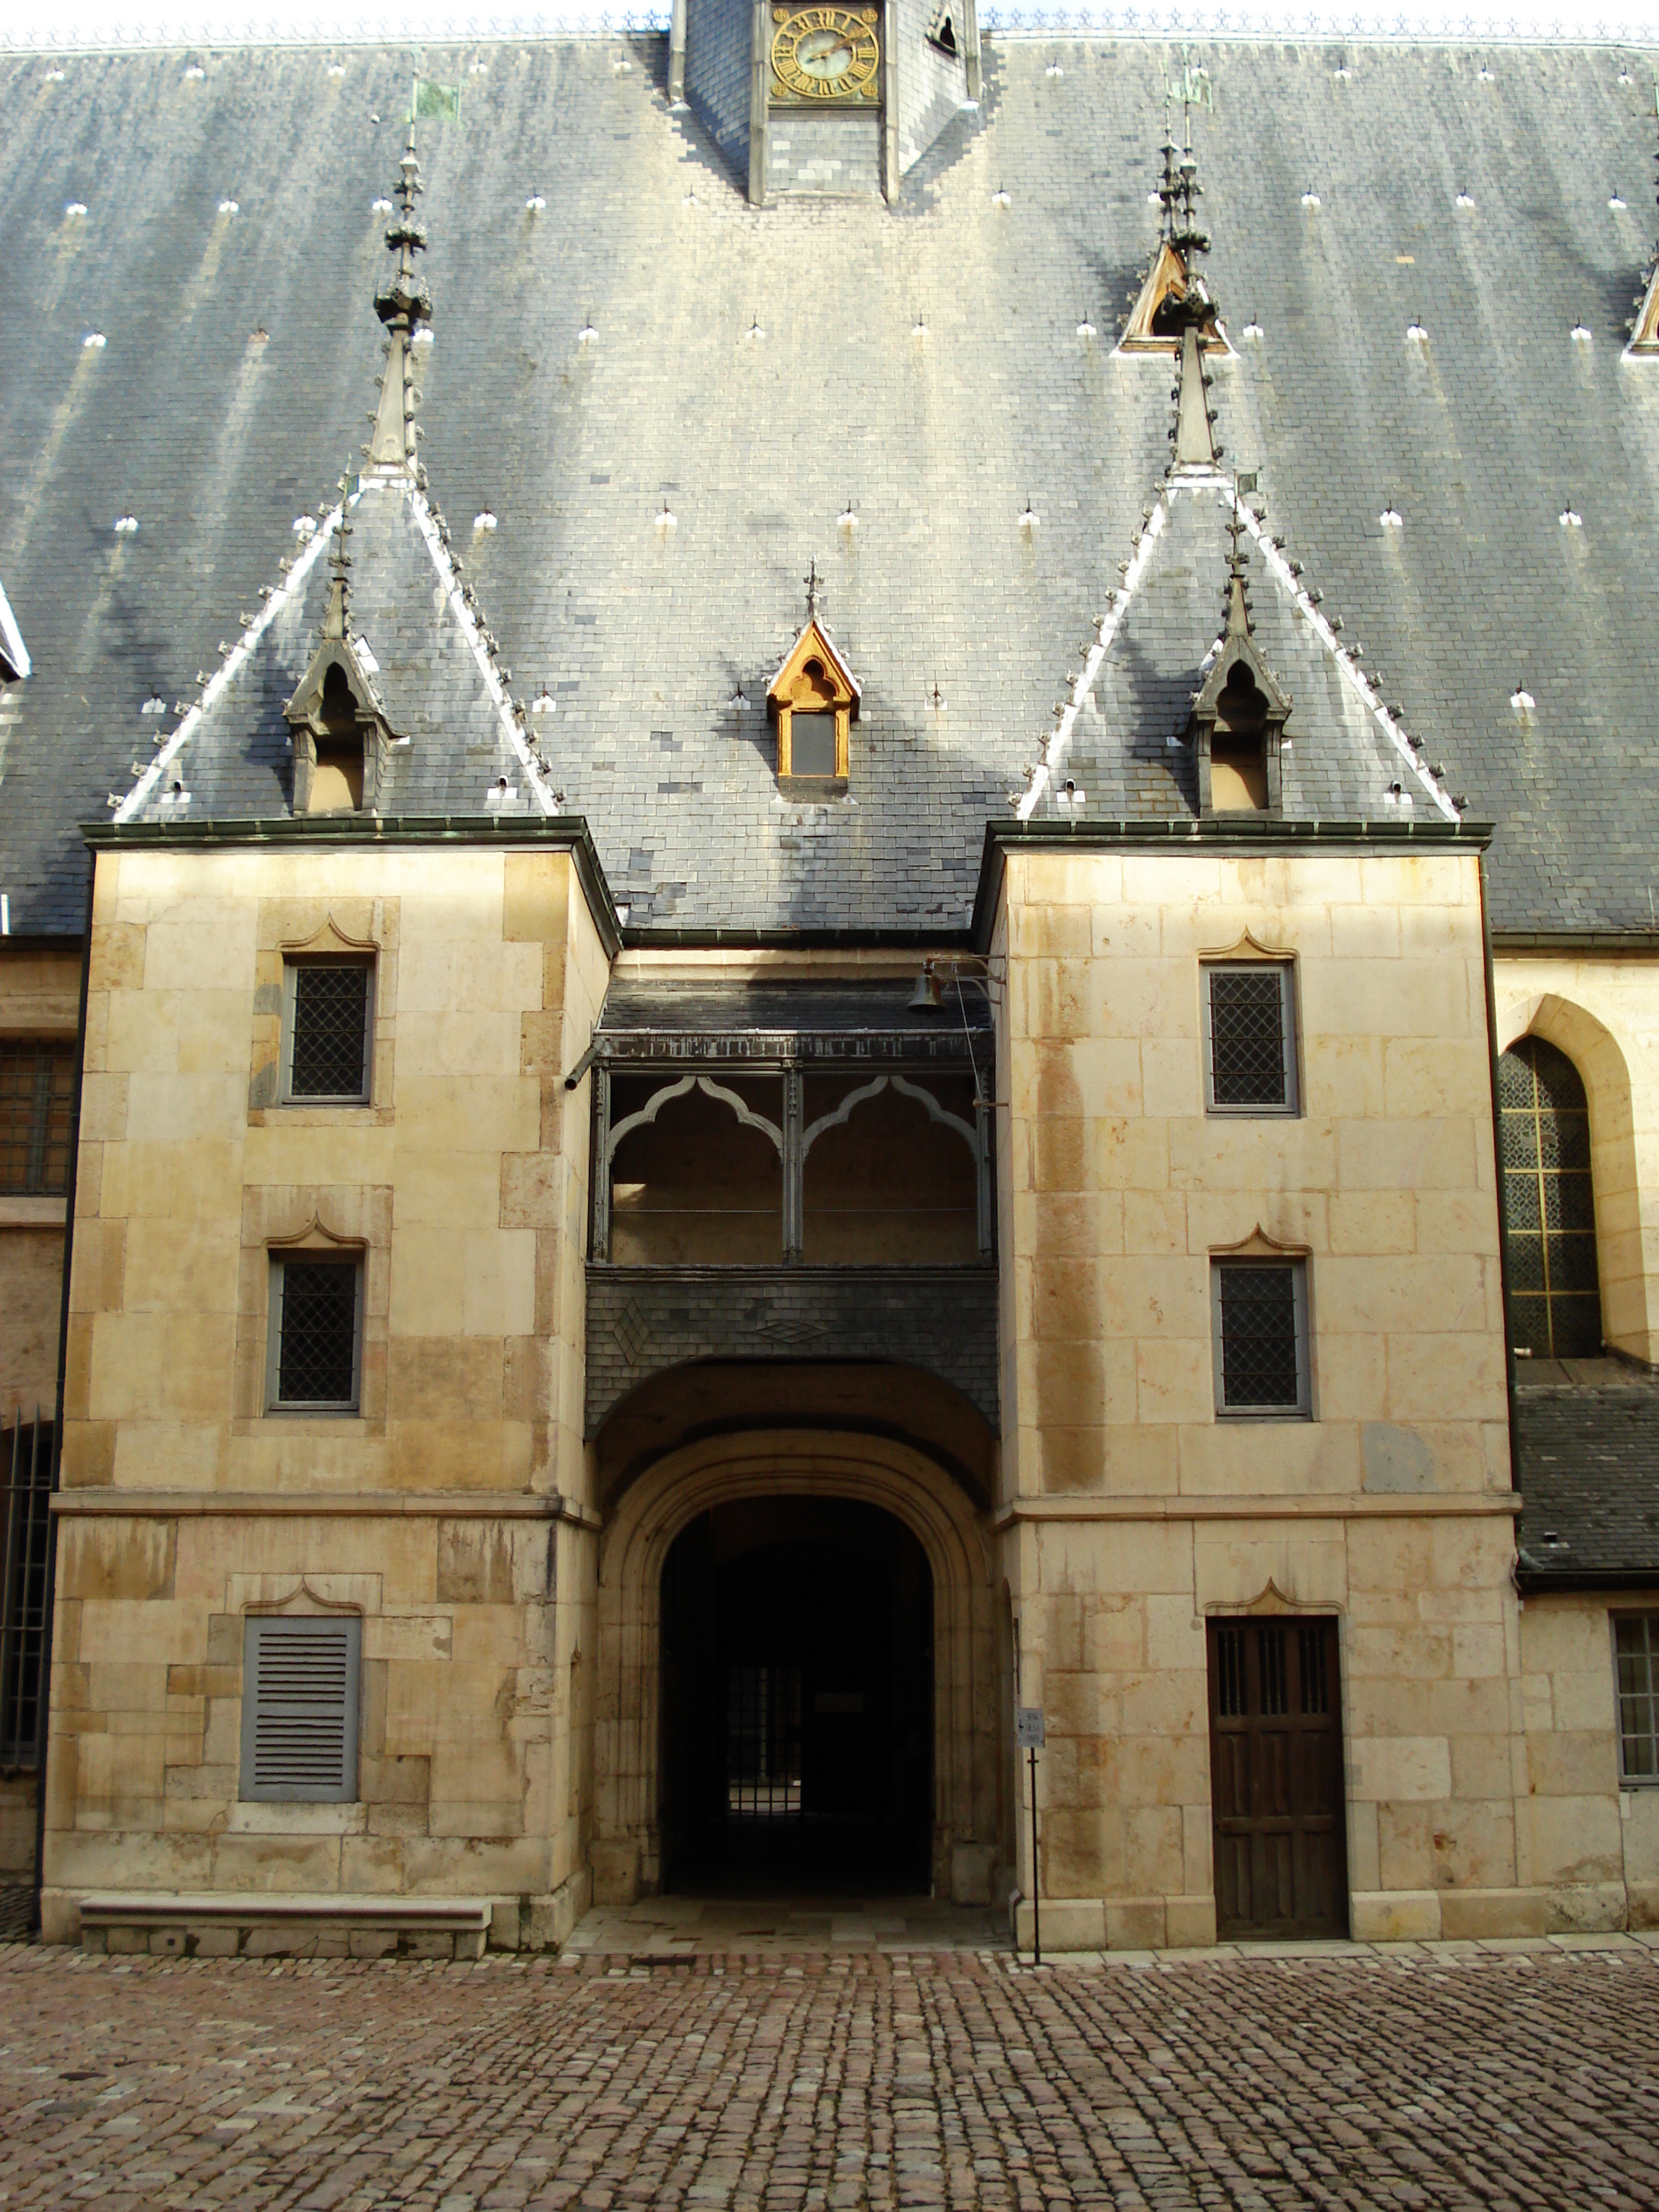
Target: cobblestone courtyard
{"type": "Point", "coordinates": [1529, 2077]}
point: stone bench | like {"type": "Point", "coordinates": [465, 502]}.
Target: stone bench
{"type": "Point", "coordinates": [219, 1925]}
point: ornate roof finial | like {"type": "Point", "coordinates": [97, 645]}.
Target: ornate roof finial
{"type": "Point", "coordinates": [1238, 598]}
{"type": "Point", "coordinates": [813, 587]}
{"type": "Point", "coordinates": [402, 304]}
{"type": "Point", "coordinates": [336, 616]}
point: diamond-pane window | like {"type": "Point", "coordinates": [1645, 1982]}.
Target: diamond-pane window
{"type": "Point", "coordinates": [315, 1308]}
{"type": "Point", "coordinates": [37, 1093]}
{"type": "Point", "coordinates": [1636, 1664]}
{"type": "Point", "coordinates": [327, 1025]}
{"type": "Point", "coordinates": [1249, 1037]}
{"type": "Point", "coordinates": [1549, 1203]}
{"type": "Point", "coordinates": [1261, 1336]}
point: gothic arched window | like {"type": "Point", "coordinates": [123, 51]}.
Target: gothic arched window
{"type": "Point", "coordinates": [1555, 1302]}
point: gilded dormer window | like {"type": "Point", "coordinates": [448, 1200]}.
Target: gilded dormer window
{"type": "Point", "coordinates": [813, 701]}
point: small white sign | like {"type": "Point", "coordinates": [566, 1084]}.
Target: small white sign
{"type": "Point", "coordinates": [1028, 1728]}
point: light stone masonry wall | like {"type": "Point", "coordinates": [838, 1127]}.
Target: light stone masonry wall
{"type": "Point", "coordinates": [452, 1514]}
{"type": "Point", "coordinates": [1605, 1838]}
{"type": "Point", "coordinates": [1130, 1511]}
{"type": "Point", "coordinates": [1602, 1010]}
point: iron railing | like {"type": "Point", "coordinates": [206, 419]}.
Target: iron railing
{"type": "Point", "coordinates": [25, 1527]}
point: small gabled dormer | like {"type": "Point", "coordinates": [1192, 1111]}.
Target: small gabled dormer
{"type": "Point", "coordinates": [339, 734]}
{"type": "Point", "coordinates": [1238, 717]}
{"type": "Point", "coordinates": [813, 701]}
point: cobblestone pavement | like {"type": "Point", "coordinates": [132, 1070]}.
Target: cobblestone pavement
{"type": "Point", "coordinates": [1434, 2079]}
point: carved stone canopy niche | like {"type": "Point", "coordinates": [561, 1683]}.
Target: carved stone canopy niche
{"type": "Point", "coordinates": [813, 700]}
{"type": "Point", "coordinates": [1238, 727]}
{"type": "Point", "coordinates": [340, 734]}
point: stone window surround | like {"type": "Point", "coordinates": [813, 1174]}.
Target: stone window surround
{"type": "Point", "coordinates": [308, 1593]}
{"type": "Point", "coordinates": [292, 928]}
{"type": "Point", "coordinates": [295, 1218]}
{"type": "Point", "coordinates": [338, 1255]}
{"type": "Point", "coordinates": [1250, 952]}
{"type": "Point", "coordinates": [1259, 1247]}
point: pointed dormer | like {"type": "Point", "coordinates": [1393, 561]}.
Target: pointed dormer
{"type": "Point", "coordinates": [341, 734]}
{"type": "Point", "coordinates": [403, 304]}
{"type": "Point", "coordinates": [1174, 299]}
{"type": "Point", "coordinates": [813, 700]}
{"type": "Point", "coordinates": [1238, 717]}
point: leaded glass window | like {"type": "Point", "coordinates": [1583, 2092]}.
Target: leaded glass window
{"type": "Point", "coordinates": [316, 1308]}
{"type": "Point", "coordinates": [37, 1093]}
{"type": "Point", "coordinates": [1555, 1302]}
{"type": "Point", "coordinates": [326, 1031]}
{"type": "Point", "coordinates": [1249, 1037]}
{"type": "Point", "coordinates": [1260, 1324]}
{"type": "Point", "coordinates": [1635, 1661]}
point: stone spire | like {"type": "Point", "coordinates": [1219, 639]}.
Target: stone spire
{"type": "Point", "coordinates": [336, 616]}
{"type": "Point", "coordinates": [1238, 596]}
{"type": "Point", "coordinates": [1189, 314]}
{"type": "Point", "coordinates": [402, 304]}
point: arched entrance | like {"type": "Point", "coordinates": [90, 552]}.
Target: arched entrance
{"type": "Point", "coordinates": [659, 1759]}
{"type": "Point", "coordinates": [797, 1700]}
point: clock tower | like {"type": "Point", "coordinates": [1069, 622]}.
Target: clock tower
{"type": "Point", "coordinates": [824, 99]}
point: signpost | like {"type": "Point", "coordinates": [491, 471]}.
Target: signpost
{"type": "Point", "coordinates": [1029, 1736]}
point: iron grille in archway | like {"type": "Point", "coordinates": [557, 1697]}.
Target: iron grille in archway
{"type": "Point", "coordinates": [1555, 1302]}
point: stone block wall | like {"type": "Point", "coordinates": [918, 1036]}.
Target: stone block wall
{"type": "Point", "coordinates": [1582, 1832]}
{"type": "Point", "coordinates": [1132, 1511]}
{"type": "Point", "coordinates": [449, 1513]}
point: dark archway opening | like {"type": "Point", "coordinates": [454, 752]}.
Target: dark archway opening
{"type": "Point", "coordinates": [796, 1702]}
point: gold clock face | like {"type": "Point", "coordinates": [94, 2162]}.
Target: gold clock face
{"type": "Point", "coordinates": [825, 53]}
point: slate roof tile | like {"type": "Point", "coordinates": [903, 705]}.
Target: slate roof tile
{"type": "Point", "coordinates": [214, 439]}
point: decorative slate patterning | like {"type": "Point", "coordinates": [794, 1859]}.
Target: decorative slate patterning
{"type": "Point", "coordinates": [643, 1320]}
{"type": "Point", "coordinates": [236, 369]}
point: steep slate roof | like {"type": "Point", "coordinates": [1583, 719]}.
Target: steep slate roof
{"type": "Point", "coordinates": [1129, 753]}
{"type": "Point", "coordinates": [227, 257]}
{"type": "Point", "coordinates": [1588, 1452]}
{"type": "Point", "coordinates": [425, 663]}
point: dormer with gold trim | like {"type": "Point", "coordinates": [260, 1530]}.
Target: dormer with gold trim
{"type": "Point", "coordinates": [1173, 298]}
{"type": "Point", "coordinates": [813, 700]}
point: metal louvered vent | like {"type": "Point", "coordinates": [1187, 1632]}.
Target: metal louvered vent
{"type": "Point", "coordinates": [315, 1305]}
{"type": "Point", "coordinates": [328, 1030]}
{"type": "Point", "coordinates": [1259, 1326]}
{"type": "Point", "coordinates": [1250, 1061]}
{"type": "Point", "coordinates": [299, 1710]}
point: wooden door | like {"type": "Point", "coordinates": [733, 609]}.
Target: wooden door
{"type": "Point", "coordinates": [1276, 1779]}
